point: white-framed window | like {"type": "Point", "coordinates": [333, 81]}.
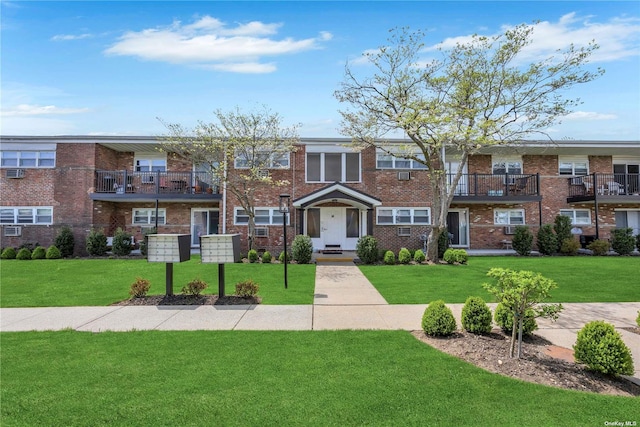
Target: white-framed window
{"type": "Point", "coordinates": [403, 216]}
{"type": "Point", "coordinates": [503, 165]}
{"type": "Point", "coordinates": [28, 159]}
{"type": "Point", "coordinates": [508, 216]}
{"type": "Point", "coordinates": [578, 216]}
{"type": "Point", "coordinates": [263, 216]}
{"type": "Point", "coordinates": [387, 161]}
{"type": "Point", "coordinates": [332, 167]}
{"type": "Point", "coordinates": [262, 160]}
{"type": "Point", "coordinates": [42, 215]}
{"type": "Point", "coordinates": [148, 164]}
{"type": "Point", "coordinates": [147, 216]}
{"type": "Point", "coordinates": [569, 165]}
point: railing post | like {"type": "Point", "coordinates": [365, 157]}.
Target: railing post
{"type": "Point", "coordinates": [506, 183]}
{"type": "Point", "coordinates": [538, 184]}
{"type": "Point", "coordinates": [475, 183]}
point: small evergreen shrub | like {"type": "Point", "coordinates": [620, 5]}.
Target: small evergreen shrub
{"type": "Point", "coordinates": [252, 256]}
{"type": "Point", "coordinates": [522, 240]}
{"type": "Point", "coordinates": [283, 255]}
{"type": "Point", "coordinates": [622, 241]}
{"type": "Point", "coordinates": [65, 242]}
{"type": "Point", "coordinates": [8, 253]}
{"type": "Point", "coordinates": [194, 287]}
{"type": "Point", "coordinates": [504, 318]}
{"type": "Point", "coordinates": [266, 257]}
{"type": "Point", "coordinates": [443, 243]}
{"type": "Point", "coordinates": [247, 288]}
{"type": "Point", "coordinates": [121, 243]}
{"type": "Point", "coordinates": [600, 347]}
{"type": "Point", "coordinates": [139, 288]}
{"type": "Point", "coordinates": [24, 254]}
{"type": "Point", "coordinates": [599, 247]}
{"type": "Point", "coordinates": [39, 253]}
{"type": "Point", "coordinates": [144, 243]}
{"type": "Point", "coordinates": [452, 256]}
{"type": "Point", "coordinates": [302, 249]}
{"type": "Point", "coordinates": [476, 316]}
{"type": "Point", "coordinates": [367, 249]}
{"type": "Point", "coordinates": [438, 319]}
{"type": "Point", "coordinates": [389, 258]}
{"type": "Point", "coordinates": [404, 256]}
{"type": "Point", "coordinates": [570, 246]}
{"type": "Point", "coordinates": [419, 256]}
{"type": "Point", "coordinates": [638, 242]}
{"type": "Point", "coordinates": [96, 243]}
{"type": "Point", "coordinates": [53, 252]}
{"type": "Point", "coordinates": [547, 241]}
{"type": "Point", "coordinates": [562, 227]}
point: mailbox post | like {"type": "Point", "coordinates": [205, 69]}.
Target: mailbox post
{"type": "Point", "coordinates": [169, 248]}
{"type": "Point", "coordinates": [220, 249]}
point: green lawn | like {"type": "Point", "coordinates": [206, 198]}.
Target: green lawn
{"type": "Point", "coordinates": [320, 378]}
{"type": "Point", "coordinates": [580, 279]}
{"type": "Point", "coordinates": [86, 282]}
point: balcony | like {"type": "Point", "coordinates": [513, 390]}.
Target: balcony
{"type": "Point", "coordinates": [491, 188]}
{"type": "Point", "coordinates": [605, 187]}
{"type": "Point", "coordinates": [125, 185]}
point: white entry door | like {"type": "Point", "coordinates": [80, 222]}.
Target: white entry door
{"type": "Point", "coordinates": [333, 226]}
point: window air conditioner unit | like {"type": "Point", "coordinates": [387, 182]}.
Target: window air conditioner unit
{"type": "Point", "coordinates": [262, 232]}
{"type": "Point", "coordinates": [510, 229]}
{"type": "Point", "coordinates": [404, 176]}
{"type": "Point", "coordinates": [404, 231]}
{"type": "Point", "coordinates": [15, 173]}
{"type": "Point", "coordinates": [263, 173]}
{"type": "Point", "coordinates": [13, 231]}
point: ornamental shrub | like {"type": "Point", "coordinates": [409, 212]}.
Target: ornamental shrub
{"type": "Point", "coordinates": [452, 256]}
{"type": "Point", "coordinates": [443, 243]}
{"type": "Point", "coordinates": [8, 253]}
{"type": "Point", "coordinates": [266, 257]}
{"type": "Point", "coordinates": [622, 241]}
{"type": "Point", "coordinates": [638, 242]}
{"type": "Point", "coordinates": [96, 243]}
{"type": "Point", "coordinates": [438, 319]}
{"type": "Point", "coordinates": [449, 256]}
{"type": "Point", "coordinates": [139, 288]}
{"type": "Point", "coordinates": [504, 318]}
{"type": "Point", "coordinates": [367, 249]}
{"type": "Point", "coordinates": [600, 347]}
{"type": "Point", "coordinates": [283, 255]}
{"type": "Point", "coordinates": [252, 256]}
{"type": "Point", "coordinates": [53, 253]}
{"type": "Point", "coordinates": [121, 243]}
{"type": "Point", "coordinates": [599, 247]}
{"type": "Point", "coordinates": [39, 253]}
{"type": "Point", "coordinates": [194, 287]}
{"type": "Point", "coordinates": [570, 246]}
{"type": "Point", "coordinates": [562, 227]}
{"type": "Point", "coordinates": [24, 254]}
{"type": "Point", "coordinates": [419, 256]}
{"type": "Point", "coordinates": [65, 242]}
{"type": "Point", "coordinates": [248, 288]}
{"type": "Point", "coordinates": [547, 241]}
{"type": "Point", "coordinates": [389, 258]}
{"type": "Point", "coordinates": [522, 240]}
{"type": "Point", "coordinates": [144, 243]}
{"type": "Point", "coordinates": [404, 256]}
{"type": "Point", "coordinates": [476, 316]}
{"type": "Point", "coordinates": [302, 249]}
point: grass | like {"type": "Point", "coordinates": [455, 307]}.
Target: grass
{"type": "Point", "coordinates": [579, 279]}
{"type": "Point", "coordinates": [99, 282]}
{"type": "Point", "coordinates": [248, 378]}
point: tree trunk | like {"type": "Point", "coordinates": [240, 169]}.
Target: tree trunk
{"type": "Point", "coordinates": [514, 331]}
{"type": "Point", "coordinates": [520, 336]}
{"type": "Point", "coordinates": [432, 244]}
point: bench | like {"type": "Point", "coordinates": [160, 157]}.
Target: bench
{"type": "Point", "coordinates": [506, 244]}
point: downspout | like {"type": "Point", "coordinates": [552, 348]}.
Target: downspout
{"type": "Point", "coordinates": [224, 192]}
{"type": "Point", "coordinates": [595, 203]}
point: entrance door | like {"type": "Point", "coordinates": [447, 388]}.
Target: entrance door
{"type": "Point", "coordinates": [332, 226]}
{"type": "Point", "coordinates": [203, 222]}
{"type": "Point", "coordinates": [457, 225]}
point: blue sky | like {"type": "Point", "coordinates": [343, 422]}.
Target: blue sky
{"type": "Point", "coordinates": [113, 68]}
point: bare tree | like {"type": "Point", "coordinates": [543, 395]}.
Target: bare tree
{"type": "Point", "coordinates": [477, 95]}
{"type": "Point", "coordinates": [238, 149]}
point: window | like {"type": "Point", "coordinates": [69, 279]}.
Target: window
{"type": "Point", "coordinates": [26, 215]}
{"type": "Point", "coordinates": [573, 166]}
{"type": "Point", "coordinates": [353, 222]}
{"type": "Point", "coordinates": [387, 161]}
{"type": "Point", "coordinates": [508, 216]}
{"type": "Point", "coordinates": [148, 216]}
{"type": "Point", "coordinates": [28, 159]}
{"type": "Point", "coordinates": [262, 160]}
{"type": "Point", "coordinates": [263, 216]}
{"type": "Point", "coordinates": [403, 216]}
{"type": "Point", "coordinates": [507, 165]}
{"type": "Point", "coordinates": [149, 164]}
{"type": "Point", "coordinates": [313, 222]}
{"type": "Point", "coordinates": [578, 216]}
{"type": "Point", "coordinates": [332, 167]}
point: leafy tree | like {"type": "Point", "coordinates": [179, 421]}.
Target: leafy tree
{"type": "Point", "coordinates": [478, 94]}
{"type": "Point", "coordinates": [522, 292]}
{"type": "Point", "coordinates": [253, 141]}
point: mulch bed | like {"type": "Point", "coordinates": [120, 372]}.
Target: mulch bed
{"type": "Point", "coordinates": [190, 300]}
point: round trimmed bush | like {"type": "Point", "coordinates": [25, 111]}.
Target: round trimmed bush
{"type": "Point", "coordinates": [283, 255]}
{"type": "Point", "coordinates": [266, 257]}
{"type": "Point", "coordinates": [570, 246]}
{"type": "Point", "coordinates": [53, 253]}
{"type": "Point", "coordinates": [24, 254]}
{"type": "Point", "coordinates": [599, 247]}
{"type": "Point", "coordinates": [302, 249]}
{"type": "Point", "coordinates": [367, 249]}
{"type": "Point", "coordinates": [404, 256]}
{"type": "Point", "coordinates": [476, 316]}
{"type": "Point", "coordinates": [438, 319]}
{"type": "Point", "coordinates": [419, 256]}
{"type": "Point", "coordinates": [121, 243]}
{"type": "Point", "coordinates": [504, 318]}
{"type": "Point", "coordinates": [389, 258]}
{"type": "Point", "coordinates": [601, 348]}
{"type": "Point", "coordinates": [252, 256]}
{"type": "Point", "coordinates": [39, 253]}
{"type": "Point", "coordinates": [8, 253]}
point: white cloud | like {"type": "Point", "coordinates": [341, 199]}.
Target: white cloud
{"type": "Point", "coordinates": [39, 110]}
{"type": "Point", "coordinates": [589, 115]}
{"type": "Point", "coordinates": [66, 37]}
{"type": "Point", "coordinates": [210, 42]}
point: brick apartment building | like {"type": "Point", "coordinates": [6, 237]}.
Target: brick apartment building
{"type": "Point", "coordinates": [337, 195]}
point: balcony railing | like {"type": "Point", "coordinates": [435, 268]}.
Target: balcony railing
{"type": "Point", "coordinates": [125, 182]}
{"type": "Point", "coordinates": [605, 184]}
{"type": "Point", "coordinates": [492, 185]}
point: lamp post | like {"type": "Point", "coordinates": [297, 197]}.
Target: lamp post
{"type": "Point", "coordinates": [284, 209]}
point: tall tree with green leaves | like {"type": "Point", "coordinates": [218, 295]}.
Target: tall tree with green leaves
{"type": "Point", "coordinates": [238, 148]}
{"type": "Point", "coordinates": [478, 94]}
